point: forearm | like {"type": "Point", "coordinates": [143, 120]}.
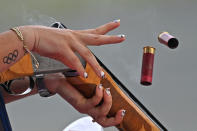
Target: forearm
{"type": "Point", "coordinates": [11, 47]}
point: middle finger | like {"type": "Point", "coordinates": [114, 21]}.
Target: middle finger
{"type": "Point", "coordinates": [94, 39]}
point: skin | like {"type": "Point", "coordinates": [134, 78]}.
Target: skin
{"type": "Point", "coordinates": [55, 83]}
{"type": "Point", "coordinates": [60, 45]}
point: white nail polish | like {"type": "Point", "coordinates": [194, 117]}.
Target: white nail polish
{"type": "Point", "coordinates": [100, 86]}
{"type": "Point", "coordinates": [123, 113]}
{"type": "Point", "coordinates": [121, 36]}
{"type": "Point", "coordinates": [116, 21]}
{"type": "Point", "coordinates": [85, 75]}
{"type": "Point", "coordinates": [108, 91]}
{"type": "Point", "coordinates": [102, 74]}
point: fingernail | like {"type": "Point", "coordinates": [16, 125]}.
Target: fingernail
{"type": "Point", "coordinates": [85, 75]}
{"type": "Point", "coordinates": [102, 74]}
{"type": "Point", "coordinates": [116, 21]}
{"type": "Point", "coordinates": [100, 86]}
{"type": "Point", "coordinates": [108, 91]}
{"type": "Point", "coordinates": [123, 113]}
{"type": "Point", "coordinates": [121, 36]}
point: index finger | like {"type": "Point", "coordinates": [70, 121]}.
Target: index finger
{"type": "Point", "coordinates": [103, 29]}
{"type": "Point", "coordinates": [72, 95]}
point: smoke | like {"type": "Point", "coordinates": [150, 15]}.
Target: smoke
{"type": "Point", "coordinates": [30, 17]}
{"type": "Point", "coordinates": [36, 18]}
{"type": "Point", "coordinates": [130, 71]}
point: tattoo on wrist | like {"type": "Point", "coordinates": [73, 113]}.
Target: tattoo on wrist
{"type": "Point", "coordinates": [11, 57]}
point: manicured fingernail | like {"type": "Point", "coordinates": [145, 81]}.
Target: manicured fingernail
{"type": "Point", "coordinates": [121, 36]}
{"type": "Point", "coordinates": [116, 21]}
{"type": "Point", "coordinates": [108, 91]}
{"type": "Point", "coordinates": [123, 113]}
{"type": "Point", "coordinates": [102, 74]}
{"type": "Point", "coordinates": [85, 75]}
{"type": "Point", "coordinates": [100, 86]}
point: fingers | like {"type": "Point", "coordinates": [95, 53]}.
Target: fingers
{"type": "Point", "coordinates": [99, 114]}
{"type": "Point", "coordinates": [69, 58]}
{"type": "Point", "coordinates": [71, 95]}
{"type": "Point", "coordinates": [90, 58]}
{"type": "Point", "coordinates": [96, 99]}
{"type": "Point", "coordinates": [79, 40]}
{"type": "Point", "coordinates": [107, 103]}
{"type": "Point", "coordinates": [89, 106]}
{"type": "Point", "coordinates": [78, 101]}
{"type": "Point", "coordinates": [94, 39]}
{"type": "Point", "coordinates": [103, 29]}
{"type": "Point", "coordinates": [106, 122]}
{"type": "Point", "coordinates": [103, 109]}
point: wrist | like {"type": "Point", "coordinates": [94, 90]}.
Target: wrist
{"type": "Point", "coordinates": [29, 36]}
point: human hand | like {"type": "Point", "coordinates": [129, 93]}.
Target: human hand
{"type": "Point", "coordinates": [92, 105]}
{"type": "Point", "coordinates": [61, 44]}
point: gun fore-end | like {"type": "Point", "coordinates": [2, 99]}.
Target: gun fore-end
{"type": "Point", "coordinates": [134, 120]}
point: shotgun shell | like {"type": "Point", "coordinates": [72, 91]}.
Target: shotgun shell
{"type": "Point", "coordinates": [169, 40]}
{"type": "Point", "coordinates": [147, 66]}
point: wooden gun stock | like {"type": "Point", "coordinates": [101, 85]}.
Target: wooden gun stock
{"type": "Point", "coordinates": [134, 120]}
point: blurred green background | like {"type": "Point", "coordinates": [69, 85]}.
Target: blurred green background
{"type": "Point", "coordinates": [172, 97]}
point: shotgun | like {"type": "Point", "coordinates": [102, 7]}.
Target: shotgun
{"type": "Point", "coordinates": [137, 118]}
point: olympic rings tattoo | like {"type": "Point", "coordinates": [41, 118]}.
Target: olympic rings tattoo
{"type": "Point", "coordinates": [11, 57]}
